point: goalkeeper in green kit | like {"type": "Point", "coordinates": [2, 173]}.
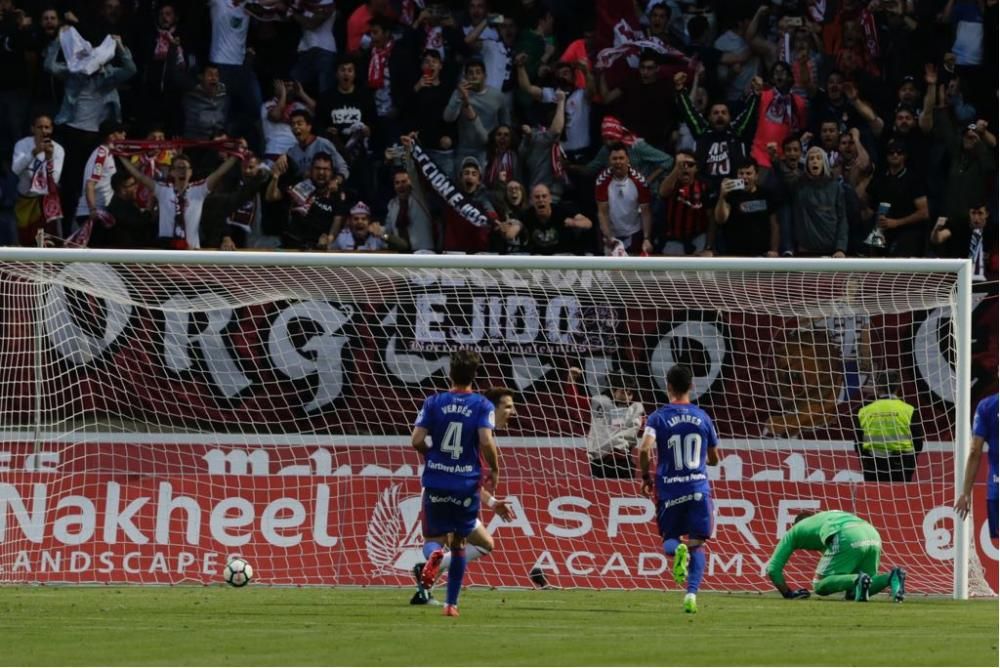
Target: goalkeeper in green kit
{"type": "Point", "coordinates": [851, 549]}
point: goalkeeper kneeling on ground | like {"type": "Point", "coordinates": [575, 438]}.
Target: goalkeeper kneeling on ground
{"type": "Point", "coordinates": [851, 550]}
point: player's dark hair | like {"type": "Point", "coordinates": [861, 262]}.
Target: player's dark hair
{"type": "Point", "coordinates": [495, 394]}
{"type": "Point", "coordinates": [679, 379]}
{"type": "Point", "coordinates": [805, 514]}
{"type": "Point", "coordinates": [464, 364]}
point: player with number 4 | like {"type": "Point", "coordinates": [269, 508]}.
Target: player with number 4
{"type": "Point", "coordinates": [460, 424]}
{"type": "Point", "coordinates": [685, 442]}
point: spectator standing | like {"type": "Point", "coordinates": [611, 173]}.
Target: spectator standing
{"type": "Point", "coordinates": [180, 200]}
{"type": "Point", "coordinates": [15, 97]}
{"type": "Point", "coordinates": [623, 200]}
{"type": "Point", "coordinates": [746, 216]}
{"type": "Point", "coordinates": [317, 50]}
{"type": "Point", "coordinates": [316, 213]}
{"type": "Point", "coordinates": [819, 217]}
{"type": "Point", "coordinates": [899, 199]}
{"type": "Point", "coordinates": [687, 228]}
{"type": "Point", "coordinates": [308, 145]}
{"type": "Point", "coordinates": [206, 105]}
{"type": "Point", "coordinates": [426, 114]}
{"type": "Point", "coordinates": [346, 112]}
{"type": "Point", "coordinates": [88, 101]}
{"type": "Point", "coordinates": [721, 142]}
{"type": "Point", "coordinates": [646, 159]}
{"type": "Point", "coordinates": [459, 234]}
{"type": "Point", "coordinates": [959, 239]}
{"type": "Point", "coordinates": [478, 109]}
{"type": "Point", "coordinates": [556, 229]}
{"type": "Point", "coordinates": [363, 234]}
{"type": "Point", "coordinates": [482, 35]}
{"type": "Point", "coordinates": [890, 434]}
{"type": "Point", "coordinates": [131, 227]}
{"type": "Point", "coordinates": [97, 174]}
{"type": "Point", "coordinates": [644, 102]}
{"type": "Point", "coordinates": [782, 111]}
{"type": "Point", "coordinates": [577, 106]}
{"type": "Point", "coordinates": [228, 51]}
{"type": "Point", "coordinates": [541, 154]}
{"type": "Point", "coordinates": [38, 164]}
{"type": "Point", "coordinates": [407, 214]}
{"type": "Point", "coordinates": [276, 116]}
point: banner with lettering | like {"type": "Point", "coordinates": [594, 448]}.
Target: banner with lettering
{"type": "Point", "coordinates": [442, 184]}
{"type": "Point", "coordinates": [349, 514]}
{"type": "Point", "coordinates": [172, 355]}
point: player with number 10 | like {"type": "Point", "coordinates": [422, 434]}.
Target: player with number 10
{"type": "Point", "coordinates": [460, 424]}
{"type": "Point", "coordinates": [685, 442]}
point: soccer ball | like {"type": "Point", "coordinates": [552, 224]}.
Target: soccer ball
{"type": "Point", "coordinates": [238, 572]}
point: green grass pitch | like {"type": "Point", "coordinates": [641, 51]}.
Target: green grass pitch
{"type": "Point", "coordinates": [275, 626]}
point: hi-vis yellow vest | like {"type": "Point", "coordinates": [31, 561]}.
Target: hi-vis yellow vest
{"type": "Point", "coordinates": [886, 426]}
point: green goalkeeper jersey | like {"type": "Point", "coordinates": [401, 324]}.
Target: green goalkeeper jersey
{"type": "Point", "coordinates": [814, 533]}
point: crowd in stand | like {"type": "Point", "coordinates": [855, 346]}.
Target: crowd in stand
{"type": "Point", "coordinates": [679, 127]}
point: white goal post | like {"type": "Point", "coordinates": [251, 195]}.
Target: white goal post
{"type": "Point", "coordinates": [161, 410]}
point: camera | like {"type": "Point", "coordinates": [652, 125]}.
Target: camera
{"type": "Point", "coordinates": [738, 184]}
{"type": "Point", "coordinates": [795, 21]}
{"type": "Point", "coordinates": [494, 19]}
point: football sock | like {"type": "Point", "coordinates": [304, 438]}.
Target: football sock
{"type": "Point", "coordinates": [472, 552]}
{"type": "Point", "coordinates": [429, 548]}
{"type": "Point", "coordinates": [696, 569]}
{"type": "Point", "coordinates": [456, 571]}
{"type": "Point", "coordinates": [670, 546]}
{"type": "Point", "coordinates": [879, 582]}
{"type": "Point", "coordinates": [834, 583]}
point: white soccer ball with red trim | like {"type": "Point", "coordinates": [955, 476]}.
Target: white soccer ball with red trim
{"type": "Point", "coordinates": [238, 572]}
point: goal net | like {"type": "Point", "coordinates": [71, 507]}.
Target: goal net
{"type": "Point", "coordinates": [162, 411]}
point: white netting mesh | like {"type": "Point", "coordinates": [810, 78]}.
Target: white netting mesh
{"type": "Point", "coordinates": [159, 417]}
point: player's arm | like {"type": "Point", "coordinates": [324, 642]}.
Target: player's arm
{"type": "Point", "coordinates": [418, 439]}
{"type": "Point", "coordinates": [645, 458]}
{"type": "Point", "coordinates": [712, 457]}
{"type": "Point", "coordinates": [776, 565]}
{"type": "Point", "coordinates": [499, 506]}
{"type": "Point", "coordinates": [964, 501]}
{"type": "Point", "coordinates": [488, 449]}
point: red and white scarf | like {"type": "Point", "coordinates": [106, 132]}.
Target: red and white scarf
{"type": "Point", "coordinates": [378, 66]}
{"type": "Point", "coordinates": [501, 167]}
{"type": "Point", "coordinates": [141, 147]}
{"type": "Point", "coordinates": [612, 128]}
{"type": "Point", "coordinates": [164, 40]}
{"type": "Point", "coordinates": [44, 185]}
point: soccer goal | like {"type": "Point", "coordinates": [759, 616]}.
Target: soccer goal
{"type": "Point", "coordinates": [162, 411]}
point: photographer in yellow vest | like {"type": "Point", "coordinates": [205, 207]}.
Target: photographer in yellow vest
{"type": "Point", "coordinates": [889, 433]}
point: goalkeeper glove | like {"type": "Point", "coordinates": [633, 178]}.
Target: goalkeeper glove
{"type": "Point", "coordinates": [796, 593]}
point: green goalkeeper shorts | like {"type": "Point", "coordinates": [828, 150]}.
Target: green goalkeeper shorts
{"type": "Point", "coordinates": [854, 549]}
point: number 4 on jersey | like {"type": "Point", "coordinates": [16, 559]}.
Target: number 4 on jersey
{"type": "Point", "coordinates": [452, 441]}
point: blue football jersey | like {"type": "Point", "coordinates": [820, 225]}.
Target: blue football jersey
{"type": "Point", "coordinates": [984, 425]}
{"type": "Point", "coordinates": [683, 433]}
{"type": "Point", "coordinates": [453, 421]}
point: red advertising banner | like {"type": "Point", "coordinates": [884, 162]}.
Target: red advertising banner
{"type": "Point", "coordinates": [359, 523]}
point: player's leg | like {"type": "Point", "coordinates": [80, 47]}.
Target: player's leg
{"type": "Point", "coordinates": [700, 521]}
{"type": "Point", "coordinates": [466, 517]}
{"type": "Point", "coordinates": [870, 544]}
{"type": "Point", "coordinates": [438, 522]}
{"type": "Point", "coordinates": [837, 569]}
{"type": "Point", "coordinates": [478, 544]}
{"type": "Point", "coordinates": [668, 521]}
